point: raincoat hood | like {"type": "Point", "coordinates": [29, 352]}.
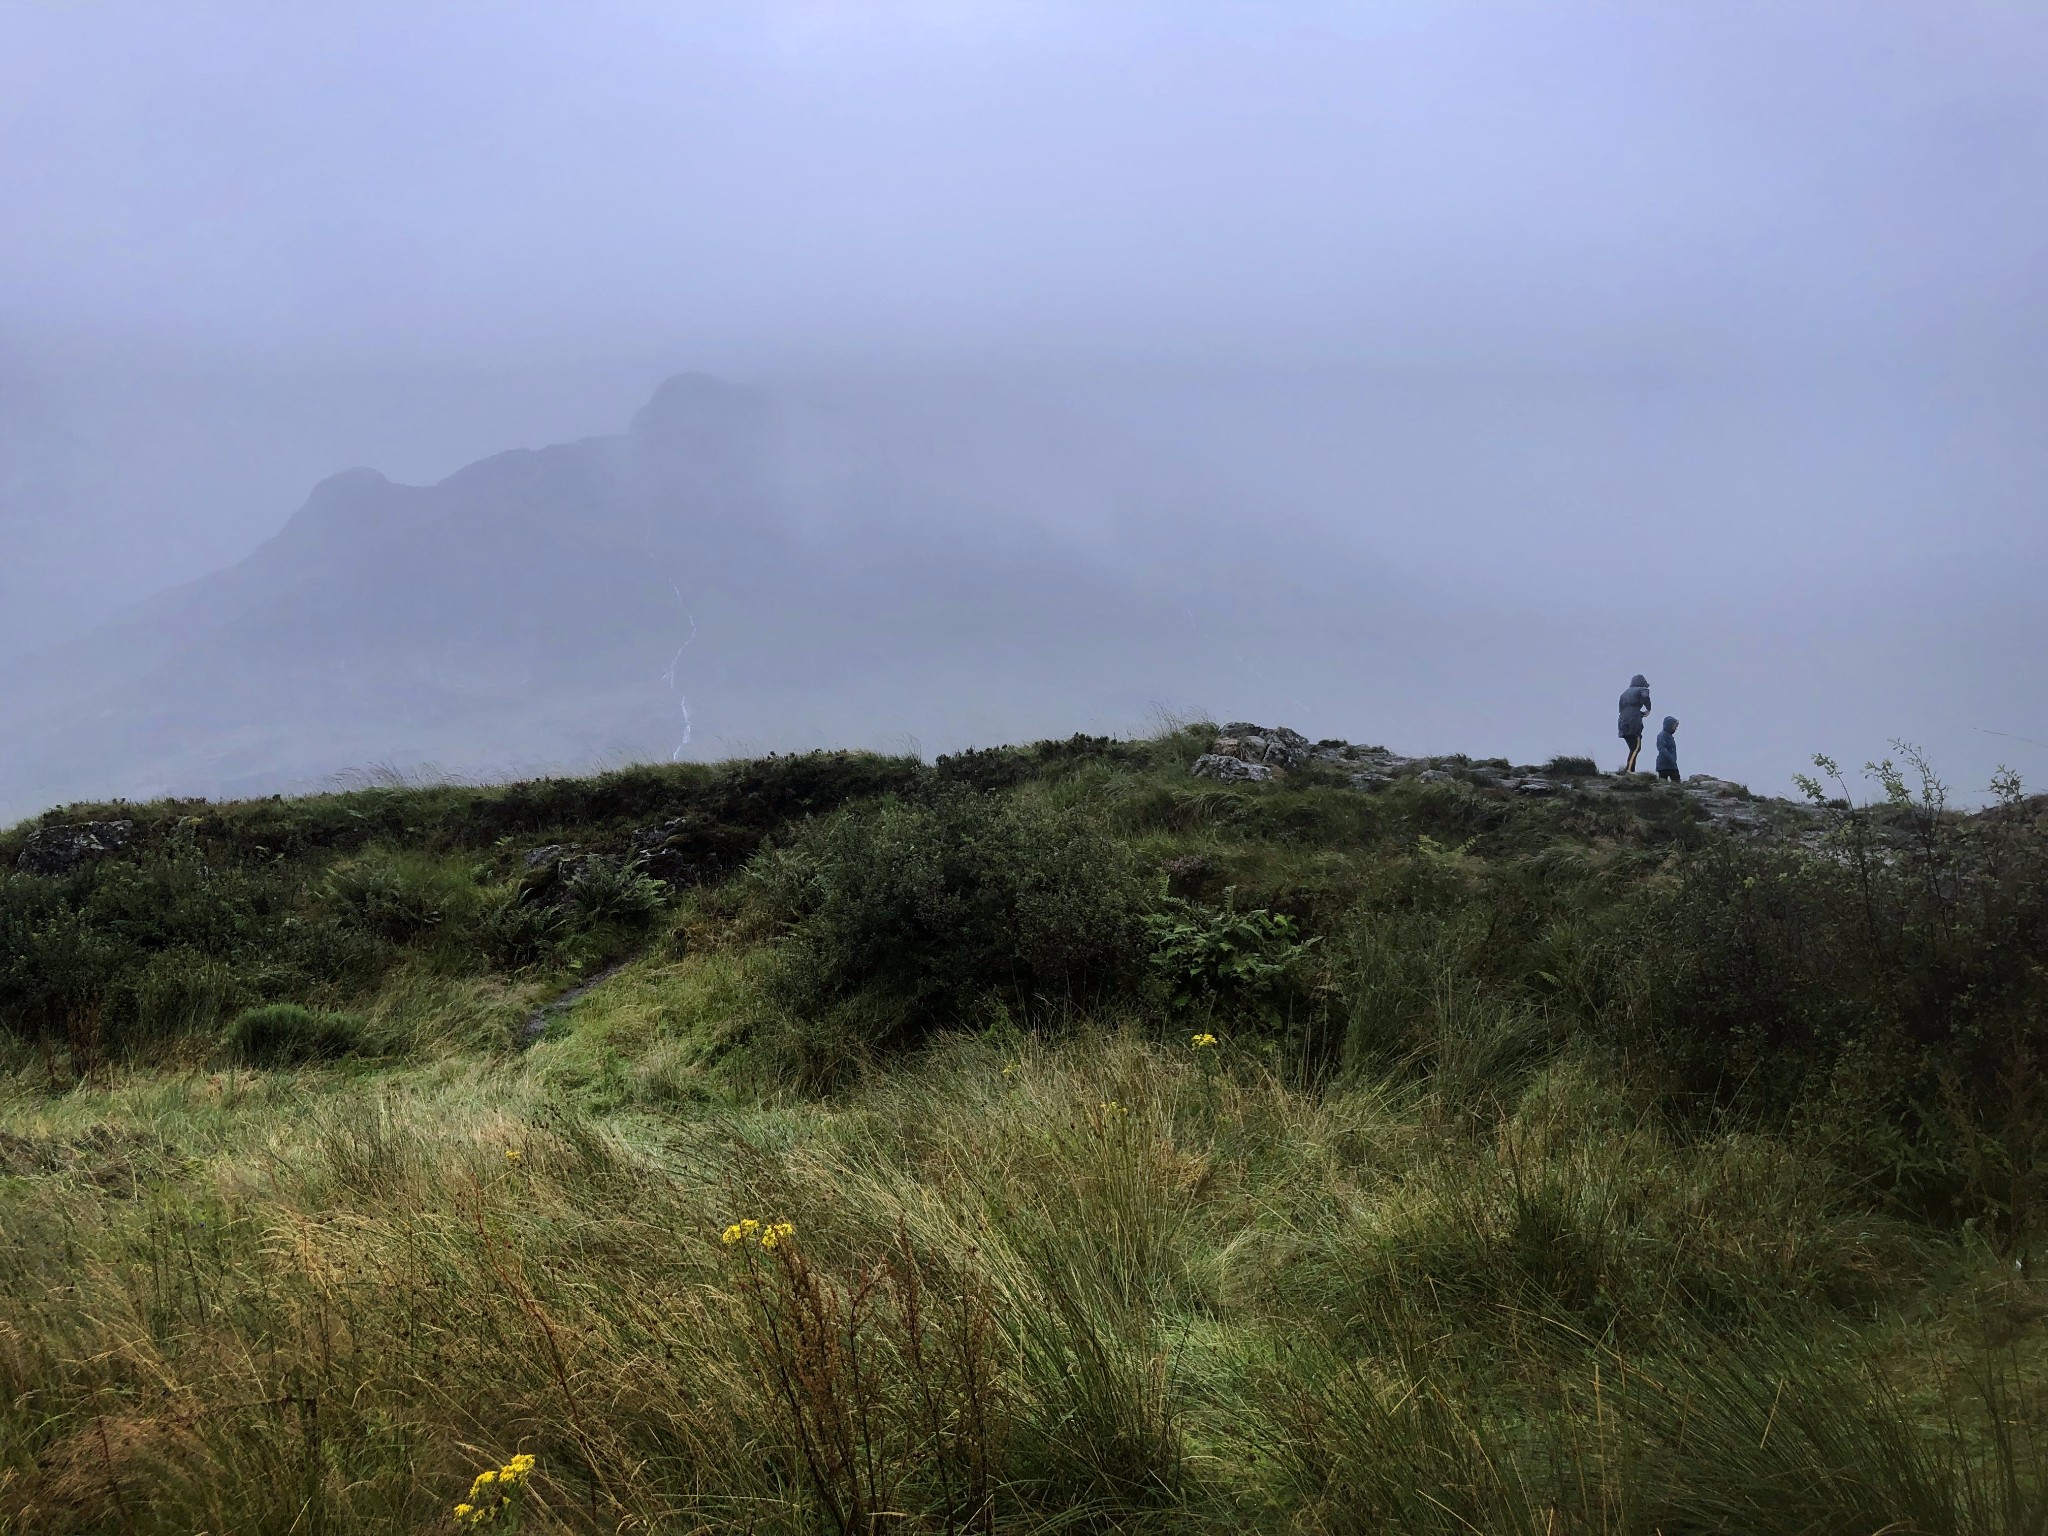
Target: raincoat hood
{"type": "Point", "coordinates": [1639, 681]}
{"type": "Point", "coordinates": [1671, 722]}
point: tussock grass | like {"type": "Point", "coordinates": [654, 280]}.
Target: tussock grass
{"type": "Point", "coordinates": [1557, 1167]}
{"type": "Point", "coordinates": [325, 1300]}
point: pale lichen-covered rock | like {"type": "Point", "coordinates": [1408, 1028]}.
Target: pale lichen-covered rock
{"type": "Point", "coordinates": [1274, 744]}
{"type": "Point", "coordinates": [1232, 770]}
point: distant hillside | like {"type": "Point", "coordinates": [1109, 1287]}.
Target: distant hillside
{"type": "Point", "coordinates": [728, 573]}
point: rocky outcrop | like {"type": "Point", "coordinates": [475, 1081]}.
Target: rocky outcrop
{"type": "Point", "coordinates": [667, 851]}
{"type": "Point", "coordinates": [1275, 746]}
{"type": "Point", "coordinates": [671, 852]}
{"type": "Point", "coordinates": [1228, 768]}
{"type": "Point", "coordinates": [1732, 807]}
{"type": "Point", "coordinates": [1243, 753]}
{"type": "Point", "coordinates": [59, 850]}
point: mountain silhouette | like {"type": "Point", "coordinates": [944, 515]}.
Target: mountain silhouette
{"type": "Point", "coordinates": [729, 574]}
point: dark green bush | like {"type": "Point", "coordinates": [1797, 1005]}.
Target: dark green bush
{"type": "Point", "coordinates": [180, 992]}
{"type": "Point", "coordinates": [1889, 984]}
{"type": "Point", "coordinates": [921, 911]}
{"type": "Point", "coordinates": [56, 971]}
{"type": "Point", "coordinates": [984, 768]}
{"type": "Point", "coordinates": [288, 1035]}
{"type": "Point", "coordinates": [168, 902]}
{"type": "Point", "coordinates": [1570, 767]}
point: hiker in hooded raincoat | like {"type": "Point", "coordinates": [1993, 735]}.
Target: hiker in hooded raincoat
{"type": "Point", "coordinates": [1635, 703]}
{"type": "Point", "coordinates": [1667, 749]}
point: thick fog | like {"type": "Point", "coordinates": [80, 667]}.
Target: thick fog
{"type": "Point", "coordinates": [1405, 373]}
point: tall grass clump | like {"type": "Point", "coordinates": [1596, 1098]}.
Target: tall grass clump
{"type": "Point", "coordinates": [1105, 1289]}
{"type": "Point", "coordinates": [1774, 1435]}
{"type": "Point", "coordinates": [290, 1035]}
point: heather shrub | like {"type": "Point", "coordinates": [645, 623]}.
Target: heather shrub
{"type": "Point", "coordinates": [1886, 984]}
{"type": "Point", "coordinates": [909, 916]}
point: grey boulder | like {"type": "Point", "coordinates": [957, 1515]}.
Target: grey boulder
{"type": "Point", "coordinates": [59, 850]}
{"type": "Point", "coordinates": [1274, 744]}
{"type": "Point", "coordinates": [1231, 770]}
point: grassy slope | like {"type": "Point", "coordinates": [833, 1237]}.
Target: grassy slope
{"type": "Point", "coordinates": [1474, 1287]}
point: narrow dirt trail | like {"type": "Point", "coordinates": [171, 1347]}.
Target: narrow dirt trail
{"type": "Point", "coordinates": [537, 1022]}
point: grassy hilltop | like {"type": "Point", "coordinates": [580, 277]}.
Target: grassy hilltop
{"type": "Point", "coordinates": [1044, 1139]}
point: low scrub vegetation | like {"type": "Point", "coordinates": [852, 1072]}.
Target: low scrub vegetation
{"type": "Point", "coordinates": [1040, 1140]}
{"type": "Point", "coordinates": [910, 917]}
{"type": "Point", "coordinates": [288, 1035]}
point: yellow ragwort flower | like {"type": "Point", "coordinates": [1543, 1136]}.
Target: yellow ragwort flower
{"type": "Point", "coordinates": [1203, 1042]}
{"type": "Point", "coordinates": [1111, 1107]}
{"type": "Point", "coordinates": [493, 1492]}
{"type": "Point", "coordinates": [739, 1231]}
{"type": "Point", "coordinates": [513, 1154]}
{"type": "Point", "coordinates": [777, 1235]}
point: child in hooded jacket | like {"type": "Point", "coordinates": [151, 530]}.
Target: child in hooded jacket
{"type": "Point", "coordinates": [1667, 749]}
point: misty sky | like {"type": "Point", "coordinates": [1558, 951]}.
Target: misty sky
{"type": "Point", "coordinates": [1705, 339]}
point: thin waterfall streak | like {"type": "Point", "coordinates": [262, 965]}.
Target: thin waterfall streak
{"type": "Point", "coordinates": [683, 704]}
{"type": "Point", "coordinates": [668, 677]}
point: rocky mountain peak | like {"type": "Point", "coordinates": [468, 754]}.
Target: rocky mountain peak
{"type": "Point", "coordinates": [696, 413]}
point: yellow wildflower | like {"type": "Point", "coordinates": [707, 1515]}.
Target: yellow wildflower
{"type": "Point", "coordinates": [513, 1154]}
{"type": "Point", "coordinates": [1111, 1107]}
{"type": "Point", "coordinates": [1010, 1069]}
{"type": "Point", "coordinates": [494, 1492]}
{"type": "Point", "coordinates": [1202, 1042]}
{"type": "Point", "coordinates": [778, 1234]}
{"type": "Point", "coordinates": [739, 1231]}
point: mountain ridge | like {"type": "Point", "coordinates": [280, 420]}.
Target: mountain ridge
{"type": "Point", "coordinates": [560, 606]}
